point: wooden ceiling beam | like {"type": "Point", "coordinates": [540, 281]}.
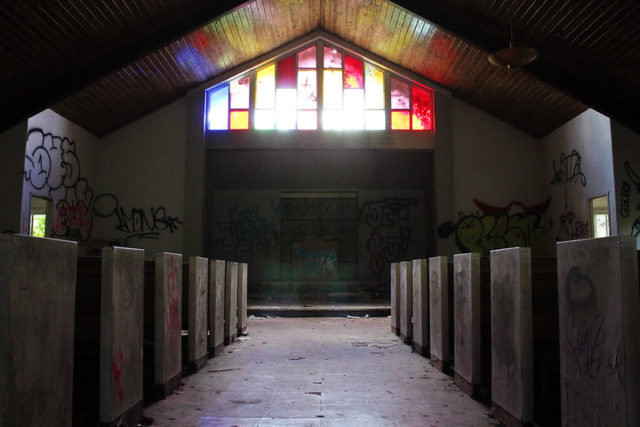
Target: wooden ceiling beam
{"type": "Point", "coordinates": [575, 86]}
{"type": "Point", "coordinates": [41, 98]}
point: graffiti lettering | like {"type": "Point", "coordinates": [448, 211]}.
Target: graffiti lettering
{"type": "Point", "coordinates": [315, 260]}
{"type": "Point", "coordinates": [497, 227]}
{"type": "Point", "coordinates": [390, 235]}
{"type": "Point", "coordinates": [117, 373]}
{"type": "Point", "coordinates": [137, 223]}
{"type": "Point", "coordinates": [387, 212]}
{"type": "Point", "coordinates": [625, 196]}
{"type": "Point", "coordinates": [572, 228]}
{"type": "Point", "coordinates": [569, 170]}
{"type": "Point", "coordinates": [172, 317]}
{"type": "Point", "coordinates": [247, 230]}
{"type": "Point", "coordinates": [52, 166]}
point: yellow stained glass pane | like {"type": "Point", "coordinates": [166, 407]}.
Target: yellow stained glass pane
{"type": "Point", "coordinates": [354, 108]}
{"type": "Point", "coordinates": [308, 119]}
{"type": "Point", "coordinates": [333, 120]}
{"type": "Point", "coordinates": [285, 109]}
{"type": "Point", "coordinates": [417, 123]}
{"type": "Point", "coordinates": [239, 120]}
{"type": "Point", "coordinates": [307, 90]}
{"type": "Point", "coordinates": [332, 91]}
{"type": "Point", "coordinates": [400, 120]}
{"type": "Point", "coordinates": [264, 119]}
{"type": "Point", "coordinates": [374, 87]}
{"type": "Point", "coordinates": [374, 120]}
{"type": "Point", "coordinates": [266, 87]}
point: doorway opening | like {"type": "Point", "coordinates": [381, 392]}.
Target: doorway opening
{"type": "Point", "coordinates": [599, 211]}
{"type": "Point", "coordinates": [39, 216]}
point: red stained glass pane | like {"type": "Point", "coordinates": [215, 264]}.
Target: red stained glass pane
{"type": "Point", "coordinates": [399, 95]}
{"type": "Point", "coordinates": [353, 77]}
{"type": "Point", "coordinates": [400, 120]}
{"type": "Point", "coordinates": [422, 109]}
{"type": "Point", "coordinates": [286, 74]}
{"type": "Point", "coordinates": [332, 58]}
{"type": "Point", "coordinates": [307, 58]}
{"type": "Point", "coordinates": [239, 119]}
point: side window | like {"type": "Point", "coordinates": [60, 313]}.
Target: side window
{"type": "Point", "coordinates": [599, 210]}
{"type": "Point", "coordinates": [39, 216]}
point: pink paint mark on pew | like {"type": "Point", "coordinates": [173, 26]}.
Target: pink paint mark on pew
{"type": "Point", "coordinates": [117, 373]}
{"type": "Point", "coordinates": [171, 312]}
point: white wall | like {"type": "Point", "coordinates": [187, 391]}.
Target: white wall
{"type": "Point", "coordinates": [626, 155]}
{"type": "Point", "coordinates": [499, 166]}
{"type": "Point", "coordinates": [140, 171]}
{"type": "Point", "coordinates": [578, 166]}
{"type": "Point", "coordinates": [57, 165]}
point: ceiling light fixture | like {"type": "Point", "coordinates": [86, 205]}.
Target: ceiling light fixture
{"type": "Point", "coordinates": [513, 56]}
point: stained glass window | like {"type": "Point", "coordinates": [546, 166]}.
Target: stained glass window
{"type": "Point", "coordinates": [356, 95]}
{"type": "Point", "coordinates": [219, 108]}
{"type": "Point", "coordinates": [332, 58]}
{"type": "Point", "coordinates": [307, 58]}
{"type": "Point", "coordinates": [353, 78]}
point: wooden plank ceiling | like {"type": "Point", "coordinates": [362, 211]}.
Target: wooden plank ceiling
{"type": "Point", "coordinates": [105, 64]}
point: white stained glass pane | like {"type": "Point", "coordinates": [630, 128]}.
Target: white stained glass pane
{"type": "Point", "coordinates": [333, 120]}
{"type": "Point", "coordinates": [307, 92]}
{"type": "Point", "coordinates": [354, 108]}
{"type": "Point", "coordinates": [286, 109]}
{"type": "Point", "coordinates": [264, 119]}
{"type": "Point", "coordinates": [240, 93]}
{"type": "Point", "coordinates": [374, 86]}
{"type": "Point", "coordinates": [266, 87]}
{"type": "Point", "coordinates": [308, 119]}
{"type": "Point", "coordinates": [218, 115]}
{"type": "Point", "coordinates": [332, 89]}
{"type": "Point", "coordinates": [375, 119]}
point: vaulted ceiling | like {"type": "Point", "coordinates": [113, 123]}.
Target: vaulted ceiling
{"type": "Point", "coordinates": [104, 64]}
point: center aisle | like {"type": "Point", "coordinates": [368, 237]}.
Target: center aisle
{"type": "Point", "coordinates": [319, 371]}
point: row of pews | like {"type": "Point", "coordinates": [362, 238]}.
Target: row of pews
{"type": "Point", "coordinates": [546, 341]}
{"type": "Point", "coordinates": [90, 340]}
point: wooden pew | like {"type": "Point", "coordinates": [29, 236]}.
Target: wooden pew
{"type": "Point", "coordinates": [162, 325]}
{"type": "Point", "coordinates": [231, 303]}
{"type": "Point", "coordinates": [441, 321]}
{"type": "Point", "coordinates": [395, 298]}
{"type": "Point", "coordinates": [217, 277]}
{"type": "Point", "coordinates": [243, 270]}
{"type": "Point", "coordinates": [195, 276]}
{"type": "Point", "coordinates": [420, 287]}
{"type": "Point", "coordinates": [37, 300]}
{"type": "Point", "coordinates": [472, 331]}
{"type": "Point", "coordinates": [524, 326]}
{"type": "Point", "coordinates": [406, 303]}
{"type": "Point", "coordinates": [599, 306]}
{"type": "Point", "coordinates": [108, 365]}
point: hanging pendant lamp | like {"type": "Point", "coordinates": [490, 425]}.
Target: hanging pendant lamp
{"type": "Point", "coordinates": [513, 56]}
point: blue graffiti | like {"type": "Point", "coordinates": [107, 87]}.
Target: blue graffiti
{"type": "Point", "coordinates": [248, 231]}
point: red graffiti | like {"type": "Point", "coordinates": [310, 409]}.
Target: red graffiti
{"type": "Point", "coordinates": [117, 372]}
{"type": "Point", "coordinates": [171, 313]}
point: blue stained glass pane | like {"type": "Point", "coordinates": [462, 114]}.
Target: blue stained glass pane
{"type": "Point", "coordinates": [218, 114]}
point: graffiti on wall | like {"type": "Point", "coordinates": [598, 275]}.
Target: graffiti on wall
{"type": "Point", "coordinates": [52, 168]}
{"type": "Point", "coordinates": [137, 223]}
{"type": "Point", "coordinates": [389, 220]}
{"type": "Point", "coordinates": [315, 260]}
{"type": "Point", "coordinates": [497, 227]}
{"type": "Point", "coordinates": [568, 171]}
{"type": "Point", "coordinates": [247, 230]}
{"type": "Point", "coordinates": [313, 217]}
{"type": "Point", "coordinates": [625, 205]}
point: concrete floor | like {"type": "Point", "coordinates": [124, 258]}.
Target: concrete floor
{"type": "Point", "coordinates": [319, 371]}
